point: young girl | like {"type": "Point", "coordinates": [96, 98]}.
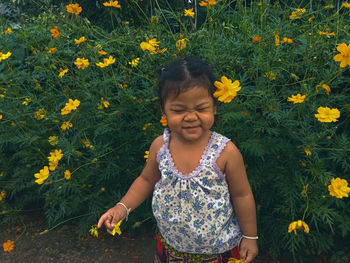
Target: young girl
{"type": "Point", "coordinates": [202, 200]}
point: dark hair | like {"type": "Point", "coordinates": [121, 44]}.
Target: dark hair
{"type": "Point", "coordinates": [183, 74]}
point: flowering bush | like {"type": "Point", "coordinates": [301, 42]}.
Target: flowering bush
{"type": "Point", "coordinates": [79, 109]}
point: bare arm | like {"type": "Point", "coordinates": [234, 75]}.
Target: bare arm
{"type": "Point", "coordinates": [140, 189]}
{"type": "Point", "coordinates": [242, 199]}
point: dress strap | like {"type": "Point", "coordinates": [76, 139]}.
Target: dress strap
{"type": "Point", "coordinates": [217, 147]}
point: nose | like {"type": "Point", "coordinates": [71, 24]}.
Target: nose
{"type": "Point", "coordinates": [191, 116]}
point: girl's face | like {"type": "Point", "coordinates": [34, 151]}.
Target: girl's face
{"type": "Point", "coordinates": [190, 115]}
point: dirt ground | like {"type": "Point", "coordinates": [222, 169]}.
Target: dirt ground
{"type": "Point", "coordinates": [63, 244]}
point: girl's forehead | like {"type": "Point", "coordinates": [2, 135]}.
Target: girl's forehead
{"type": "Point", "coordinates": [191, 95]}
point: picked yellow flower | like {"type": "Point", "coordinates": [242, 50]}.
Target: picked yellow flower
{"type": "Point", "coordinates": [116, 228]}
{"type": "Point", "coordinates": [297, 98]}
{"type": "Point", "coordinates": [94, 231]}
{"type": "Point", "coordinates": [62, 72]}
{"type": "Point", "coordinates": [294, 226]}
{"type": "Point", "coordinates": [326, 114]}
{"type": "Point", "coordinates": [82, 63]}
{"type": "Point", "coordinates": [112, 4]}
{"type": "Point", "coordinates": [4, 56]}
{"type": "Point", "coordinates": [339, 188]}
{"type": "Point", "coordinates": [42, 175]}
{"type": "Point", "coordinates": [189, 12]}
{"type": "Point", "coordinates": [226, 90]}
{"type": "Point", "coordinates": [67, 174]}
{"type": "Point", "coordinates": [234, 260]}
{"type": "Point", "coordinates": [74, 9]}
{"type": "Point", "coordinates": [80, 40]}
{"type": "Point", "coordinates": [344, 56]}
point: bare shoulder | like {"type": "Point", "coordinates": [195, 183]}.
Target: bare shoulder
{"type": "Point", "coordinates": [231, 152]}
{"type": "Point", "coordinates": [156, 145]}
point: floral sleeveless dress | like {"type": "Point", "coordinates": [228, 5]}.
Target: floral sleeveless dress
{"type": "Point", "coordinates": [194, 212]}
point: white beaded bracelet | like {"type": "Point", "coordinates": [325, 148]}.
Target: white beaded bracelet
{"type": "Point", "coordinates": [247, 237]}
{"type": "Point", "coordinates": [127, 210]}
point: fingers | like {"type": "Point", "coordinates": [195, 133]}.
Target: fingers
{"type": "Point", "coordinates": [243, 253]}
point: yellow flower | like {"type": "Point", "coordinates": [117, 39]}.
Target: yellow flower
{"type": "Point", "coordinates": [287, 40]}
{"type": "Point", "coordinates": [70, 105]}
{"type": "Point", "coordinates": [298, 225]}
{"type": "Point", "coordinates": [152, 45]}
{"type": "Point", "coordinates": [307, 151]}
{"type": "Point", "coordinates": [326, 88]}
{"type": "Point", "coordinates": [86, 144]}
{"type": "Point", "coordinates": [54, 158]}
{"type": "Point", "coordinates": [54, 32]}
{"type": "Point", "coordinates": [233, 260]}
{"type": "Point", "coordinates": [207, 3]}
{"type": "Point", "coordinates": [297, 98]}
{"type": "Point", "coordinates": [326, 114]}
{"type": "Point", "coordinates": [40, 114]}
{"type": "Point", "coordinates": [164, 121]}
{"type": "Point", "coordinates": [344, 56]}
{"type": "Point", "coordinates": [146, 126]}
{"type": "Point", "coordinates": [271, 75]}
{"type": "Point", "coordinates": [8, 31]}
{"type": "Point", "coordinates": [116, 228]}
{"type": "Point", "coordinates": [26, 101]}
{"type": "Point", "coordinates": [112, 3]}
{"type": "Point", "coordinates": [134, 62]}
{"type": "Point", "coordinates": [181, 44]}
{"type": "Point", "coordinates": [67, 174]}
{"type": "Point", "coordinates": [8, 245]}
{"type": "Point", "coordinates": [226, 90]}
{"type": "Point", "coordinates": [101, 52]}
{"type": "Point", "coordinates": [66, 125]}
{"type": "Point", "coordinates": [189, 12]}
{"type": "Point", "coordinates": [94, 231]}
{"type": "Point", "coordinates": [4, 56]}
{"type": "Point", "coordinates": [106, 62]}
{"type": "Point", "coordinates": [80, 40]}
{"type": "Point", "coordinates": [326, 32]}
{"type": "Point", "coordinates": [346, 5]}
{"type": "Point", "coordinates": [146, 155]}
{"type": "Point", "coordinates": [53, 140]}
{"type": "Point", "coordinates": [82, 63]}
{"type": "Point", "coordinates": [1, 116]}
{"type": "Point", "coordinates": [104, 102]}
{"type": "Point", "coordinates": [339, 188]}
{"type": "Point", "coordinates": [51, 50]}
{"type": "Point", "coordinates": [2, 194]}
{"type": "Point", "coordinates": [297, 14]}
{"type": "Point", "coordinates": [62, 72]}
{"type": "Point", "coordinates": [74, 9]}
{"type": "Point", "coordinates": [42, 175]}
{"type": "Point", "coordinates": [277, 38]}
